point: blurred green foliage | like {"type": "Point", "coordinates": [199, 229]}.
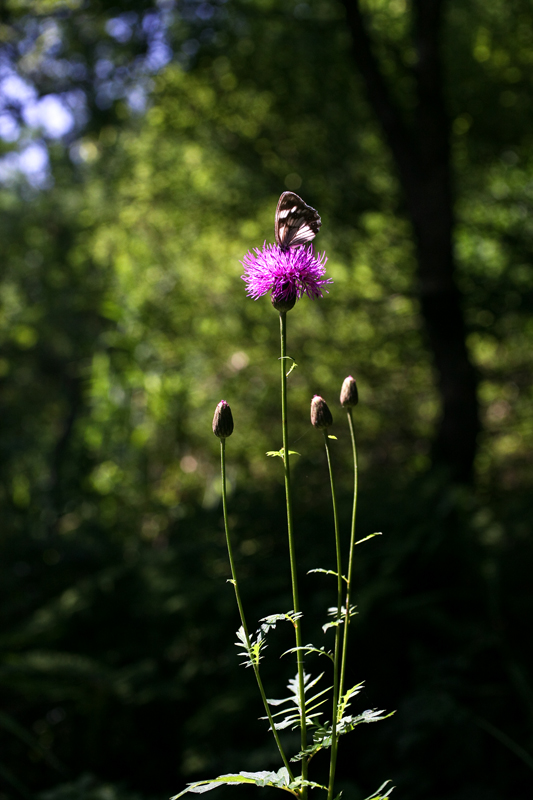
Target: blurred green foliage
{"type": "Point", "coordinates": [123, 322]}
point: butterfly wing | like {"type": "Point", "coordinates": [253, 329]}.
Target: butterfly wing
{"type": "Point", "coordinates": [296, 223]}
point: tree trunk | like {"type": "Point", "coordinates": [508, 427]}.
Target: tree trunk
{"type": "Point", "coordinates": [422, 157]}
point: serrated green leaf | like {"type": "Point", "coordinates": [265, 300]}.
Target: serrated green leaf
{"type": "Point", "coordinates": [270, 621]}
{"type": "Point", "coordinates": [308, 706]}
{"type": "Point", "coordinates": [250, 649]}
{"type": "Point", "coordinates": [347, 724]}
{"type": "Point", "coordinates": [344, 701]}
{"type": "Point", "coordinates": [340, 616]}
{"type": "Point", "coordinates": [321, 740]}
{"type": "Point", "coordinates": [322, 735]}
{"type": "Point", "coordinates": [292, 714]}
{"type": "Point", "coordinates": [309, 648]}
{"type": "Point", "coordinates": [299, 782]}
{"type": "Point", "coordinates": [278, 780]}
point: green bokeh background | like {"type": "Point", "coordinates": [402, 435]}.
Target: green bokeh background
{"type": "Point", "coordinates": [124, 321]}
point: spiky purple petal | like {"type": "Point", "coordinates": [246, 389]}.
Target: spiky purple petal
{"type": "Point", "coordinates": [286, 273]}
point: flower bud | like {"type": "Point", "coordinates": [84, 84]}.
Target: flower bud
{"type": "Point", "coordinates": [223, 421]}
{"type": "Point", "coordinates": [320, 414]}
{"type": "Point", "coordinates": [349, 393]}
{"type": "Point", "coordinates": [283, 301]}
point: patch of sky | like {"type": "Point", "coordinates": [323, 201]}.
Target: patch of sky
{"type": "Point", "coordinates": [60, 68]}
{"type": "Point", "coordinates": [14, 90]}
{"type": "Point", "coordinates": [31, 162]}
{"type": "Point", "coordinates": [121, 27]}
{"type": "Point", "coordinates": [103, 68]}
{"type": "Point", "coordinates": [76, 101]}
{"type": "Point", "coordinates": [9, 128]}
{"type": "Point", "coordinates": [137, 99]}
{"type": "Point", "coordinates": [28, 119]}
{"type": "Point", "coordinates": [50, 115]}
{"type": "Point", "coordinates": [152, 23]}
{"type": "Point", "coordinates": [159, 54]}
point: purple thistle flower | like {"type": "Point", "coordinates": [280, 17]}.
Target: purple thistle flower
{"type": "Point", "coordinates": [287, 274]}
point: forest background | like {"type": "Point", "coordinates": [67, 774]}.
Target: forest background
{"type": "Point", "coordinates": [143, 149]}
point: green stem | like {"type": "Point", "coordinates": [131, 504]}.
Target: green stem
{"type": "Point", "coordinates": [350, 560]}
{"type": "Point", "coordinates": [241, 609]}
{"type": "Point", "coordinates": [290, 531]}
{"type": "Point", "coordinates": [336, 656]}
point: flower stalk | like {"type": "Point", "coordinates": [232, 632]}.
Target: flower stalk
{"type": "Point", "coordinates": [241, 609]}
{"type": "Point", "coordinates": [321, 416]}
{"type": "Point", "coordinates": [349, 398]}
{"type": "Point", "coordinates": [290, 532]}
{"type": "Point", "coordinates": [351, 553]}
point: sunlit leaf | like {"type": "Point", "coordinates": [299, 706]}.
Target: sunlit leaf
{"type": "Point", "coordinates": [327, 572]}
{"type": "Point", "coordinates": [278, 780]}
{"type": "Point", "coordinates": [378, 795]}
{"type": "Point", "coordinates": [371, 536]}
{"type": "Point", "coordinates": [279, 453]}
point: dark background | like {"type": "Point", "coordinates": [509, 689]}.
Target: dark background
{"type": "Point", "coordinates": [143, 148]}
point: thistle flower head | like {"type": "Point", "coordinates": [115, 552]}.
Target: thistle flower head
{"type": "Point", "coordinates": [287, 274]}
{"type": "Point", "coordinates": [223, 421]}
{"type": "Point", "coordinates": [349, 393]}
{"type": "Point", "coordinates": [320, 414]}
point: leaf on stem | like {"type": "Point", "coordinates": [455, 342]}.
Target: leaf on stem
{"type": "Point", "coordinates": [299, 782]}
{"type": "Point", "coordinates": [334, 624]}
{"type": "Point", "coordinates": [344, 701]}
{"type": "Point", "coordinates": [379, 533]}
{"type": "Point", "coordinates": [327, 572]}
{"type": "Point", "coordinates": [334, 611]}
{"type": "Point", "coordinates": [278, 780]}
{"type": "Point", "coordinates": [321, 740]}
{"type": "Point", "coordinates": [249, 649]}
{"type": "Point", "coordinates": [293, 365]}
{"type": "Point", "coordinates": [271, 620]}
{"type": "Point", "coordinates": [340, 616]}
{"type": "Point", "coordinates": [310, 648]}
{"type": "Point", "coordinates": [347, 724]}
{"type": "Point", "coordinates": [377, 795]}
{"type": "Point", "coordinates": [280, 453]}
{"type": "Point", "coordinates": [322, 736]}
{"type": "Point", "coordinates": [292, 715]}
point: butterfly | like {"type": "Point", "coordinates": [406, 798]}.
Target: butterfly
{"type": "Point", "coordinates": [296, 223]}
